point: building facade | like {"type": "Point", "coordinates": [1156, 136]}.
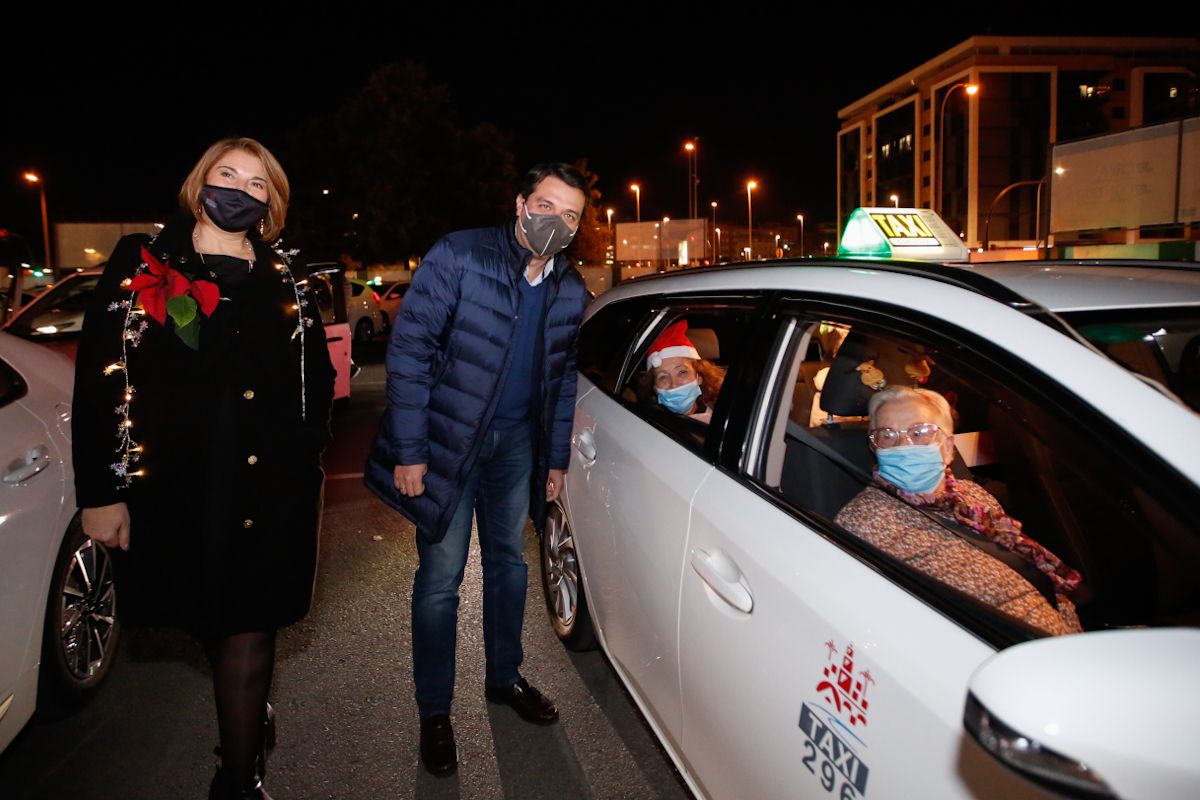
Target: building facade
{"type": "Point", "coordinates": [969, 133]}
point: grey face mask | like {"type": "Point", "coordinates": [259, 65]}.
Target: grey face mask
{"type": "Point", "coordinates": [548, 234]}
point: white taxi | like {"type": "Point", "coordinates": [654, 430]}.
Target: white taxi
{"type": "Point", "coordinates": [777, 654]}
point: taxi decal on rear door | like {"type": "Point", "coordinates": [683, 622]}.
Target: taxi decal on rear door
{"type": "Point", "coordinates": [833, 750]}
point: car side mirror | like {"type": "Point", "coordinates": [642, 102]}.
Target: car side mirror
{"type": "Point", "coordinates": [1105, 714]}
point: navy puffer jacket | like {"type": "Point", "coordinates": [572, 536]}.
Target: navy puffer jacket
{"type": "Point", "coordinates": [449, 347]}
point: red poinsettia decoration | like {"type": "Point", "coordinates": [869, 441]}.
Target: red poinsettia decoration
{"type": "Point", "coordinates": [160, 283]}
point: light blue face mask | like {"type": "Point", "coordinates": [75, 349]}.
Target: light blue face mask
{"type": "Point", "coordinates": [916, 468]}
{"type": "Point", "coordinates": [680, 399]}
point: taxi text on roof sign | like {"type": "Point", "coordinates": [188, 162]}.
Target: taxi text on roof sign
{"type": "Point", "coordinates": [904, 233]}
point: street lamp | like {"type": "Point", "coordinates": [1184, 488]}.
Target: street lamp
{"type": "Point", "coordinates": [718, 258]}
{"type": "Point", "coordinates": [800, 219]}
{"type": "Point", "coordinates": [750, 187]}
{"type": "Point", "coordinates": [609, 211]}
{"type": "Point", "coordinates": [895, 198]}
{"type": "Point", "coordinates": [33, 177]}
{"type": "Point", "coordinates": [970, 89]}
{"type": "Point", "coordinates": [693, 178]}
{"type": "Point", "coordinates": [826, 246]}
{"type": "Point", "coordinates": [777, 245]}
{"type": "Point", "coordinates": [637, 191]}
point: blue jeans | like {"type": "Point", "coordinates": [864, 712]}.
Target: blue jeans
{"type": "Point", "coordinates": [497, 495]}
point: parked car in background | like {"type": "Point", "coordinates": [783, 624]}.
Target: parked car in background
{"type": "Point", "coordinates": [55, 317]}
{"type": "Point", "coordinates": [392, 301]}
{"type": "Point", "coordinates": [777, 654]}
{"type": "Point", "coordinates": [58, 596]}
{"type": "Point", "coordinates": [363, 305]}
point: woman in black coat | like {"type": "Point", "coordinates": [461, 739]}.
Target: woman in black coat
{"type": "Point", "coordinates": [202, 393]}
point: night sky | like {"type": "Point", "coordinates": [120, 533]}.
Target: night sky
{"type": "Point", "coordinates": [114, 113]}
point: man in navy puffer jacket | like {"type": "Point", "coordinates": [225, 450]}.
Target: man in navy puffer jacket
{"type": "Point", "coordinates": [481, 397]}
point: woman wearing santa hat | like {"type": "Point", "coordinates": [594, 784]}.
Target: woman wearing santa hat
{"type": "Point", "coordinates": [684, 382]}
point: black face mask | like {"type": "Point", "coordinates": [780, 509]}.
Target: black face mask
{"type": "Point", "coordinates": [231, 210]}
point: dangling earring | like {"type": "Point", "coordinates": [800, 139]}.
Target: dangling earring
{"type": "Point", "coordinates": [262, 227]}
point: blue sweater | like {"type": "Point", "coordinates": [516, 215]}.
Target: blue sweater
{"type": "Point", "coordinates": [525, 369]}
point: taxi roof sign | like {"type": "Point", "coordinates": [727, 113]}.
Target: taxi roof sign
{"type": "Point", "coordinates": [905, 233]}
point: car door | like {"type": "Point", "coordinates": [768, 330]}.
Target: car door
{"type": "Point", "coordinates": [32, 492]}
{"type": "Point", "coordinates": [636, 470]}
{"type": "Point", "coordinates": [804, 670]}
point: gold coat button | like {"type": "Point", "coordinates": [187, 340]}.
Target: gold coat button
{"type": "Point", "coordinates": [248, 523]}
{"type": "Point", "coordinates": [252, 460]}
{"type": "Point", "coordinates": [248, 394]}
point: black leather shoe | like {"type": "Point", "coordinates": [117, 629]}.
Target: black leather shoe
{"type": "Point", "coordinates": [439, 755]}
{"type": "Point", "coordinates": [532, 705]}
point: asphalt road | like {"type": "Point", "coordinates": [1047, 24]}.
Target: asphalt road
{"type": "Point", "coordinates": [343, 687]}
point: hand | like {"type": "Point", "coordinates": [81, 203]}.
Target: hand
{"type": "Point", "coordinates": [554, 485]}
{"type": "Point", "coordinates": [409, 479]}
{"type": "Point", "coordinates": [108, 525]}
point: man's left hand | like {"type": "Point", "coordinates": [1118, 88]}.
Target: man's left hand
{"type": "Point", "coordinates": [554, 485]}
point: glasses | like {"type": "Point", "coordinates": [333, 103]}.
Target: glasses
{"type": "Point", "coordinates": [921, 433]}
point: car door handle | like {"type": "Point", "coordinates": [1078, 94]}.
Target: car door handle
{"type": "Point", "coordinates": [585, 443]}
{"type": "Point", "coordinates": [723, 577]}
{"type": "Point", "coordinates": [22, 469]}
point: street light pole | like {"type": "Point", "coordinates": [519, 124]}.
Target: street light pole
{"type": "Point", "coordinates": [33, 177]}
{"type": "Point", "coordinates": [971, 89]}
{"type": "Point", "coordinates": [717, 252]}
{"type": "Point", "coordinates": [750, 187]}
{"type": "Point", "coordinates": [800, 218]}
{"type": "Point", "coordinates": [637, 191]}
{"type": "Point", "coordinates": [693, 200]}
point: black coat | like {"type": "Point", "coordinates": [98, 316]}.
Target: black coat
{"type": "Point", "coordinates": [225, 492]}
{"type": "Point", "coordinates": [452, 342]}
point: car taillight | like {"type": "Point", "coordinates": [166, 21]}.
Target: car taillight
{"type": "Point", "coordinates": [375, 294]}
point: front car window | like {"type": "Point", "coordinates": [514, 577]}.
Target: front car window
{"type": "Point", "coordinates": [1024, 464]}
{"type": "Point", "coordinates": [1162, 344]}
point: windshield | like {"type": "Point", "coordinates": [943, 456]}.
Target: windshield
{"type": "Point", "coordinates": [1160, 343]}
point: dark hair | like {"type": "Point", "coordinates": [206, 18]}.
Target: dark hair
{"type": "Point", "coordinates": [559, 169]}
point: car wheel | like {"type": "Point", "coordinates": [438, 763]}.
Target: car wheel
{"type": "Point", "coordinates": [364, 331]}
{"type": "Point", "coordinates": [384, 322]}
{"type": "Point", "coordinates": [79, 641]}
{"type": "Point", "coordinates": [562, 583]}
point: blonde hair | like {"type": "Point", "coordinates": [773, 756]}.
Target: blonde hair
{"type": "Point", "coordinates": [278, 192]}
{"type": "Point", "coordinates": [942, 413]}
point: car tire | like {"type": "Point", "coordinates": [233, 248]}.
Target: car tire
{"type": "Point", "coordinates": [384, 322]}
{"type": "Point", "coordinates": [562, 583]}
{"type": "Point", "coordinates": [81, 632]}
{"type": "Point", "coordinates": [364, 331]}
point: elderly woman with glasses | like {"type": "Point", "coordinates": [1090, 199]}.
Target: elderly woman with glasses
{"type": "Point", "coordinates": [952, 529]}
